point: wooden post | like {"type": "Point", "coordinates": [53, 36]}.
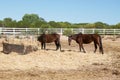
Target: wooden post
{"type": "Point", "coordinates": [83, 30]}
{"type": "Point", "coordinates": [38, 31]}
{"type": "Point", "coordinates": [114, 33]}
{"type": "Point", "coordinates": [93, 31]}
{"type": "Point", "coordinates": [61, 31]}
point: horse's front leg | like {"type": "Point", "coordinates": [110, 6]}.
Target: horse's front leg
{"type": "Point", "coordinates": [80, 47]}
{"type": "Point", "coordinates": [42, 45]}
{"type": "Point", "coordinates": [57, 45]}
{"type": "Point", "coordinates": [95, 47]}
{"type": "Point", "coordinates": [83, 48]}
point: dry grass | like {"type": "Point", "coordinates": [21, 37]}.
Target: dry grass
{"type": "Point", "coordinates": [70, 64]}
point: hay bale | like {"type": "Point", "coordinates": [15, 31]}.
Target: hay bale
{"type": "Point", "coordinates": [21, 49]}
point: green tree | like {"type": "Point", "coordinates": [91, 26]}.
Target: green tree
{"type": "Point", "coordinates": [79, 25]}
{"type": "Point", "coordinates": [101, 25]}
{"type": "Point", "coordinates": [54, 24]}
{"type": "Point", "coordinates": [13, 23]}
{"type": "Point", "coordinates": [64, 24]}
{"type": "Point", "coordinates": [7, 22]}
{"type": "Point", "coordinates": [39, 24]}
{"type": "Point", "coordinates": [117, 26]}
{"type": "Point", "coordinates": [45, 26]}
{"type": "Point", "coordinates": [1, 23]}
{"type": "Point", "coordinates": [20, 24]}
{"type": "Point", "coordinates": [30, 20]}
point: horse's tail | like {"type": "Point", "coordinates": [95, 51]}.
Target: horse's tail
{"type": "Point", "coordinates": [101, 47]}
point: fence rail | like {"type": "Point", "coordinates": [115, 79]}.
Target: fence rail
{"type": "Point", "coordinates": [36, 31]}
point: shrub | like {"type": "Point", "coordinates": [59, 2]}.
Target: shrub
{"type": "Point", "coordinates": [68, 32]}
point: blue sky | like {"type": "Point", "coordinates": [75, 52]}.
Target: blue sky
{"type": "Point", "coordinates": [74, 11]}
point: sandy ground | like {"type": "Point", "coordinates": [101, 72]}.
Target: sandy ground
{"type": "Point", "coordinates": [70, 64]}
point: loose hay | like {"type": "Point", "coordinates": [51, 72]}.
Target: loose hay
{"type": "Point", "coordinates": [67, 65]}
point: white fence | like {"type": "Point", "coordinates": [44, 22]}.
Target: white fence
{"type": "Point", "coordinates": [36, 31]}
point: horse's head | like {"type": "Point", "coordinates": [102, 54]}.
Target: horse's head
{"type": "Point", "coordinates": [69, 40]}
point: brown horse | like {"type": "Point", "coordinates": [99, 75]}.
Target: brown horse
{"type": "Point", "coordinates": [85, 39]}
{"type": "Point", "coordinates": [48, 38]}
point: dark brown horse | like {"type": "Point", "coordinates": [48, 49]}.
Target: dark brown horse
{"type": "Point", "coordinates": [48, 38]}
{"type": "Point", "coordinates": [85, 39]}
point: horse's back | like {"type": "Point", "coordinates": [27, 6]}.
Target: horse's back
{"type": "Point", "coordinates": [88, 38]}
{"type": "Point", "coordinates": [95, 36]}
{"type": "Point", "coordinates": [48, 38]}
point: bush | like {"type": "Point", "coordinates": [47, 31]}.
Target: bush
{"type": "Point", "coordinates": [68, 32]}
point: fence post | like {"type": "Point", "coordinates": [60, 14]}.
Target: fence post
{"type": "Point", "coordinates": [61, 31]}
{"type": "Point", "coordinates": [114, 33]}
{"type": "Point", "coordinates": [104, 31]}
{"type": "Point", "coordinates": [0, 30]}
{"type": "Point", "coordinates": [83, 30]}
{"type": "Point", "coordinates": [93, 31]}
{"type": "Point", "coordinates": [72, 30]}
{"type": "Point", "coordinates": [13, 31]}
{"type": "Point", "coordinates": [26, 31]}
{"type": "Point", "coordinates": [38, 31]}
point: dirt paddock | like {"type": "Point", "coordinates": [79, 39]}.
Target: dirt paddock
{"type": "Point", "coordinates": [70, 64]}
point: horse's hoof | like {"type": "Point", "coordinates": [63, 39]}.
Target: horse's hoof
{"type": "Point", "coordinates": [56, 49]}
{"type": "Point", "coordinates": [62, 50]}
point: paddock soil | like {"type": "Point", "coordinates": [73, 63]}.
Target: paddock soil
{"type": "Point", "coordinates": [68, 64]}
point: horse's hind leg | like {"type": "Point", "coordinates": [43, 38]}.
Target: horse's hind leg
{"type": "Point", "coordinates": [57, 45]}
{"type": "Point", "coordinates": [44, 45]}
{"type": "Point", "coordinates": [95, 47]}
{"type": "Point", "coordinates": [80, 47]}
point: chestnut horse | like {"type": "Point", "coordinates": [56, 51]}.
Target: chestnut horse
{"type": "Point", "coordinates": [48, 38]}
{"type": "Point", "coordinates": [86, 39]}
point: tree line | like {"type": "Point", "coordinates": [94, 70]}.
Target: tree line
{"type": "Point", "coordinates": [34, 21]}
